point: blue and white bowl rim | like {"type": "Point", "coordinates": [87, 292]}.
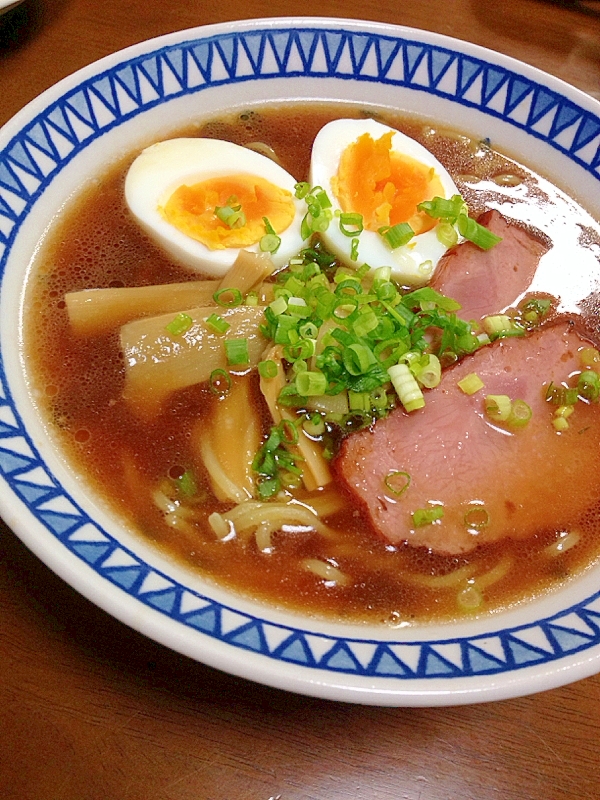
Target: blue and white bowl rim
{"type": "Point", "coordinates": [41, 142]}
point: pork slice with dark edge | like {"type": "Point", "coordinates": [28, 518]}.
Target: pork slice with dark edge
{"type": "Point", "coordinates": [491, 481]}
{"type": "Point", "coordinates": [487, 282]}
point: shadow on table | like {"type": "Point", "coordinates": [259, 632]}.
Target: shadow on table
{"type": "Point", "coordinates": [21, 24]}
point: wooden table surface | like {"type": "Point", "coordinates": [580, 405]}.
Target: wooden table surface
{"type": "Point", "coordinates": [90, 709]}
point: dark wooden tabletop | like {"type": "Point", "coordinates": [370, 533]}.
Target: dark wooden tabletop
{"type": "Point", "coordinates": [90, 709]}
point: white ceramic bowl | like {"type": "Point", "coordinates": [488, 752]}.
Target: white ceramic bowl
{"type": "Point", "coordinates": [67, 134]}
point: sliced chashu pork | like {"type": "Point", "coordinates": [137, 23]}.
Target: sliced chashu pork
{"type": "Point", "coordinates": [527, 480]}
{"type": "Point", "coordinates": [487, 282]}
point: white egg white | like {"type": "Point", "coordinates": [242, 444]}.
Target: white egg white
{"type": "Point", "coordinates": [165, 166]}
{"type": "Point", "coordinates": [412, 264]}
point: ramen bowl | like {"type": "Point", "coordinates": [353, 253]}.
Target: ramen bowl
{"type": "Point", "coordinates": [90, 120]}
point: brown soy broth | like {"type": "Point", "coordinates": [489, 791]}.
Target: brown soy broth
{"type": "Point", "coordinates": [79, 383]}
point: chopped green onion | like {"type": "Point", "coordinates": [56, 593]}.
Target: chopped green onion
{"type": "Point", "coordinates": [497, 324]}
{"type": "Point", "coordinates": [308, 330]}
{"type": "Point", "coordinates": [321, 197]}
{"type": "Point", "coordinates": [231, 213]}
{"type": "Point", "coordinates": [498, 407]}
{"type": "Point", "coordinates": [315, 425]}
{"type": "Point", "coordinates": [589, 357]}
{"type": "Point", "coordinates": [426, 516]}
{"type": "Point", "coordinates": [354, 249]}
{"type": "Point", "coordinates": [298, 307]}
{"type": "Point", "coordinates": [351, 224]}
{"type": "Point", "coordinates": [267, 369]}
{"type": "Point", "coordinates": [309, 383]}
{"type": "Point", "coordinates": [477, 517]}
{"type": "Point", "coordinates": [396, 235]}
{"type": "Point", "coordinates": [588, 385]}
{"type": "Point", "coordinates": [359, 401]}
{"type": "Point", "coordinates": [469, 598]}
{"type": "Point", "coordinates": [446, 234]}
{"type": "Point", "coordinates": [358, 358]}
{"type": "Point", "coordinates": [219, 382]}
{"type": "Point", "coordinates": [476, 233]}
{"type": "Point", "coordinates": [186, 484]}
{"type": "Point", "coordinates": [455, 211]}
{"type": "Point", "coordinates": [397, 482]}
{"type": "Point", "coordinates": [217, 323]}
{"type": "Point", "coordinates": [561, 395]}
{"type": "Point", "coordinates": [300, 350]}
{"type": "Point", "coordinates": [348, 287]}
{"type": "Point", "coordinates": [564, 411]}
{"type": "Point", "coordinates": [445, 209]}
{"type": "Point", "coordinates": [533, 310]}
{"type": "Point", "coordinates": [267, 487]}
{"type": "Point", "coordinates": [228, 298]}
{"type": "Point", "coordinates": [270, 242]}
{"type": "Point", "coordinates": [560, 424]}
{"type": "Point", "coordinates": [561, 415]}
{"type": "Point", "coordinates": [301, 190]}
{"type": "Point", "coordinates": [520, 414]}
{"type": "Point", "coordinates": [278, 306]}
{"type": "Point", "coordinates": [471, 383]}
{"type": "Point", "coordinates": [362, 272]}
{"type": "Point", "coordinates": [383, 274]}
{"type": "Point", "coordinates": [427, 298]}
{"type": "Point", "coordinates": [180, 324]}
{"type": "Point", "coordinates": [237, 352]}
{"type": "Point", "coordinates": [428, 372]}
{"type": "Point", "coordinates": [406, 387]}
{"type": "Point", "coordinates": [288, 432]}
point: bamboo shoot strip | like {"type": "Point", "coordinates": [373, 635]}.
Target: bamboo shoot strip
{"type": "Point", "coordinates": [96, 311]}
{"type": "Point", "coordinates": [315, 472]}
{"type": "Point", "coordinates": [158, 363]}
{"type": "Point", "coordinates": [228, 444]}
{"type": "Point", "coordinates": [247, 271]}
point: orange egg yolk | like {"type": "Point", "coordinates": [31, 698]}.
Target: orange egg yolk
{"type": "Point", "coordinates": [191, 209]}
{"type": "Point", "coordinates": [383, 185]}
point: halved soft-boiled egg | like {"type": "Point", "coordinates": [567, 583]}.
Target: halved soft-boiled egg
{"type": "Point", "coordinates": [374, 171]}
{"type": "Point", "coordinates": [204, 200]}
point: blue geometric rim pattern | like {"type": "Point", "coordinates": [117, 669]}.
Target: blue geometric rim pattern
{"type": "Point", "coordinates": [47, 144]}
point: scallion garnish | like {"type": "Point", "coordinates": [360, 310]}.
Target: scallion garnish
{"type": "Point", "coordinates": [498, 407]}
{"type": "Point", "coordinates": [455, 212]}
{"type": "Point", "coordinates": [477, 517]}
{"type": "Point", "coordinates": [397, 482]}
{"type": "Point", "coordinates": [520, 414]}
{"type": "Point", "coordinates": [427, 516]}
{"type": "Point", "coordinates": [476, 233]}
{"type": "Point", "coordinates": [351, 224]}
{"type": "Point", "coordinates": [396, 235]}
{"type": "Point", "coordinates": [186, 484]}
{"type": "Point", "coordinates": [270, 242]}
{"type": "Point", "coordinates": [448, 209]}
{"type": "Point", "coordinates": [231, 213]}
{"type": "Point", "coordinates": [228, 298]}
{"type": "Point", "coordinates": [237, 352]}
{"type": "Point", "coordinates": [180, 324]}
{"type": "Point", "coordinates": [406, 387]}
{"type": "Point", "coordinates": [471, 383]}
{"type": "Point", "coordinates": [588, 385]}
{"type": "Point", "coordinates": [353, 332]}
{"type": "Point", "coordinates": [267, 369]}
{"type": "Point", "coordinates": [219, 382]}
{"type": "Point", "coordinates": [274, 460]}
{"type": "Point", "coordinates": [301, 190]}
{"type": "Point", "coordinates": [311, 384]}
{"type": "Point", "coordinates": [217, 323]}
